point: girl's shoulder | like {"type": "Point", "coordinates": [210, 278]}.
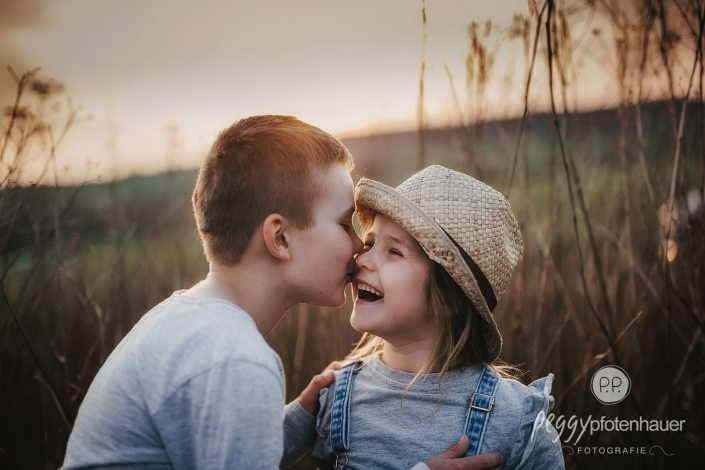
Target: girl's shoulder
{"type": "Point", "coordinates": [325, 399]}
{"type": "Point", "coordinates": [520, 416]}
{"type": "Point", "coordinates": [530, 399]}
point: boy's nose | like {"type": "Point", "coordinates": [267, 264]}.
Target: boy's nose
{"type": "Point", "coordinates": [357, 243]}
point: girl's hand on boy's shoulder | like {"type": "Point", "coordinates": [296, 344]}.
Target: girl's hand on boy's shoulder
{"type": "Point", "coordinates": [452, 458]}
{"type": "Point", "coordinates": [309, 397]}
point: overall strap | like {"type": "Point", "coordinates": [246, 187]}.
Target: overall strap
{"type": "Point", "coordinates": [481, 403]}
{"type": "Point", "coordinates": [340, 414]}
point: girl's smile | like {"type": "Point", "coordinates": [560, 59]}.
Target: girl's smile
{"type": "Point", "coordinates": [390, 288]}
{"type": "Point", "coordinates": [367, 293]}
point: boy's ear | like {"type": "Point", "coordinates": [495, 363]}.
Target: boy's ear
{"type": "Point", "coordinates": [277, 236]}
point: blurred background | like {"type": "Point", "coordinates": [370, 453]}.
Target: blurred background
{"type": "Point", "coordinates": [587, 115]}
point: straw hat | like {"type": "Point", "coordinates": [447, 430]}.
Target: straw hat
{"type": "Point", "coordinates": [462, 224]}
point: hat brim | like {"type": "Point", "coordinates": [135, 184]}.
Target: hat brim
{"type": "Point", "coordinates": [373, 196]}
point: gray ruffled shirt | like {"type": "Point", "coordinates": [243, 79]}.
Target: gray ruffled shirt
{"type": "Point", "coordinates": [388, 433]}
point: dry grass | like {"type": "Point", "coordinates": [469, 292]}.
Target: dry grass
{"type": "Point", "coordinates": [78, 267]}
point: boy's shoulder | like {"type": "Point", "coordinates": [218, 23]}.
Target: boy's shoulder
{"type": "Point", "coordinates": [189, 323]}
{"type": "Point", "coordinates": [183, 337]}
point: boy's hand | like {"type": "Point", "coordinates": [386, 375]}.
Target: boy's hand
{"type": "Point", "coordinates": [452, 458]}
{"type": "Point", "coordinates": [309, 397]}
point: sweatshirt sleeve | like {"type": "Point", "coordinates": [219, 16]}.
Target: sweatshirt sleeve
{"type": "Point", "coordinates": [299, 433]}
{"type": "Point", "coordinates": [322, 451]}
{"type": "Point", "coordinates": [540, 446]}
{"type": "Point", "coordinates": [229, 416]}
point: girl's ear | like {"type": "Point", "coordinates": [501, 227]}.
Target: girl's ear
{"type": "Point", "coordinates": [276, 231]}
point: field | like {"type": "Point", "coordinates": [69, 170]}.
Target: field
{"type": "Point", "coordinates": [610, 204]}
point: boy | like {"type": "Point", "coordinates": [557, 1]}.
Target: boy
{"type": "Point", "coordinates": [194, 384]}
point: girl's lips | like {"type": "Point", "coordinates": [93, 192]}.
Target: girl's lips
{"type": "Point", "coordinates": [366, 292]}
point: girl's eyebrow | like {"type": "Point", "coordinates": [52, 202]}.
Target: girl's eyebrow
{"type": "Point", "coordinates": [398, 241]}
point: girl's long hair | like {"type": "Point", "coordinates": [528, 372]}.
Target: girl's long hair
{"type": "Point", "coordinates": [460, 332]}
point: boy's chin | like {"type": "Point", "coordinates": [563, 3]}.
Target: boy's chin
{"type": "Point", "coordinates": [335, 301]}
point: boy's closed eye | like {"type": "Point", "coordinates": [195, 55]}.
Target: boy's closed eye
{"type": "Point", "coordinates": [346, 220]}
{"type": "Point", "coordinates": [346, 223]}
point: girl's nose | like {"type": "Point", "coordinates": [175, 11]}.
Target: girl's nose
{"type": "Point", "coordinates": [365, 260]}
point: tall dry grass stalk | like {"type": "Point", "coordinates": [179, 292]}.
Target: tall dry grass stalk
{"type": "Point", "coordinates": [59, 318]}
{"type": "Point", "coordinates": [420, 111]}
{"type": "Point", "coordinates": [614, 264]}
{"type": "Point", "coordinates": [626, 286]}
{"type": "Point", "coordinates": [522, 30]}
{"type": "Point", "coordinates": [25, 129]}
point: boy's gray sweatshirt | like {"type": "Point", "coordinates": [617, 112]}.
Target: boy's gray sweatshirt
{"type": "Point", "coordinates": [193, 385]}
{"type": "Point", "coordinates": [388, 433]}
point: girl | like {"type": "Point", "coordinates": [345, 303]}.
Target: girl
{"type": "Point", "coordinates": [439, 253]}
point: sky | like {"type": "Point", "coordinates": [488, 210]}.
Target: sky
{"type": "Point", "coordinates": [159, 78]}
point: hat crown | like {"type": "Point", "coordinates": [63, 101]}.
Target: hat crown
{"type": "Point", "coordinates": [478, 217]}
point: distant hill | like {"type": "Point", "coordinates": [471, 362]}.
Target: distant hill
{"type": "Point", "coordinates": [392, 157]}
{"type": "Point", "coordinates": [98, 210]}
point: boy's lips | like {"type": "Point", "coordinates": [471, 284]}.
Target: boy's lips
{"type": "Point", "coordinates": [350, 275]}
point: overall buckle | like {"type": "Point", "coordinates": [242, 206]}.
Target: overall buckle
{"type": "Point", "coordinates": [476, 407]}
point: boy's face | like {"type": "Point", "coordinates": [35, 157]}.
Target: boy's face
{"type": "Point", "coordinates": [322, 255]}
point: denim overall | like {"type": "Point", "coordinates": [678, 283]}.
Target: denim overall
{"type": "Point", "coordinates": [479, 406]}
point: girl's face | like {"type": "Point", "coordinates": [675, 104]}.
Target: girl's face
{"type": "Point", "coordinates": [390, 286]}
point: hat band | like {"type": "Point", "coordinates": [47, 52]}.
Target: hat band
{"type": "Point", "coordinates": [482, 282]}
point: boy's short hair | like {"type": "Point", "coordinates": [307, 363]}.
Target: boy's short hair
{"type": "Point", "coordinates": [259, 166]}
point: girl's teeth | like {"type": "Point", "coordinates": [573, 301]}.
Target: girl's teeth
{"type": "Point", "coordinates": [369, 289]}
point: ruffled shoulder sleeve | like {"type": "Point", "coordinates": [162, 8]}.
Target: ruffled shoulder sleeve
{"type": "Point", "coordinates": [538, 445]}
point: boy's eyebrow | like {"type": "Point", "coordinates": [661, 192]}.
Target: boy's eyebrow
{"type": "Point", "coordinates": [348, 213]}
